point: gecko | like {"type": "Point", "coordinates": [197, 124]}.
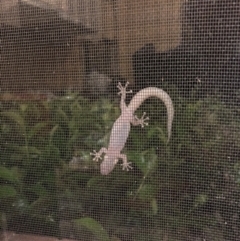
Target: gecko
{"type": "Point", "coordinates": [122, 125]}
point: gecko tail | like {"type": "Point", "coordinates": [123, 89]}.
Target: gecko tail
{"type": "Point", "coordinates": [149, 92]}
{"type": "Point", "coordinates": [107, 165]}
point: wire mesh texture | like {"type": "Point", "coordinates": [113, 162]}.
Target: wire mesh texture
{"type": "Point", "coordinates": [119, 120]}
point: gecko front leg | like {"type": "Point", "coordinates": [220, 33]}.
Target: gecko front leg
{"type": "Point", "coordinates": [123, 90]}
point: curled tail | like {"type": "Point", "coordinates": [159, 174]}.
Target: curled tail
{"type": "Point", "coordinates": [149, 92]}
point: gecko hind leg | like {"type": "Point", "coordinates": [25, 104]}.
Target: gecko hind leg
{"type": "Point", "coordinates": [97, 155]}
{"type": "Point", "coordinates": [125, 165]}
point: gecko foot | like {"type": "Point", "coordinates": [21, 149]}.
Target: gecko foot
{"type": "Point", "coordinates": [97, 156]}
{"type": "Point", "coordinates": [142, 120]}
{"type": "Point", "coordinates": [126, 166]}
{"type": "Point", "coordinates": [123, 89]}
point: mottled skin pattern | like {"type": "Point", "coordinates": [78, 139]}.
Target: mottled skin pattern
{"type": "Point", "coordinates": [121, 127]}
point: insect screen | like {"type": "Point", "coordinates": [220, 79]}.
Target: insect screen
{"type": "Point", "coordinates": [119, 120]}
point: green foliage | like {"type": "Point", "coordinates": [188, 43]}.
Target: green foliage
{"type": "Point", "coordinates": [7, 191]}
{"type": "Point", "coordinates": [10, 175]}
{"type": "Point", "coordinates": [45, 151]}
{"type": "Point", "coordinates": [94, 227]}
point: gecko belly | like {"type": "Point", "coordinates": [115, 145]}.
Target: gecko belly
{"type": "Point", "coordinates": [119, 135]}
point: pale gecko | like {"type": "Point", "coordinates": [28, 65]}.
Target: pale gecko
{"type": "Point", "coordinates": [121, 126]}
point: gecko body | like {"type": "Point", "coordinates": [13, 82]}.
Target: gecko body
{"type": "Point", "coordinates": [122, 125]}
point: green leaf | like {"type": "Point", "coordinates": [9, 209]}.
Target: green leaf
{"type": "Point", "coordinates": [28, 150]}
{"type": "Point", "coordinates": [6, 128]}
{"type": "Point", "coordinates": [40, 205]}
{"type": "Point", "coordinates": [8, 174]}
{"type": "Point", "coordinates": [61, 115]}
{"type": "Point", "coordinates": [147, 192]}
{"type": "Point", "coordinates": [17, 118]}
{"type": "Point", "coordinates": [39, 190]}
{"type": "Point", "coordinates": [7, 191]}
{"type": "Point", "coordinates": [94, 182]}
{"type": "Point", "coordinates": [23, 107]}
{"type": "Point", "coordinates": [94, 227]}
{"type": "Point", "coordinates": [138, 159]}
{"type": "Point", "coordinates": [52, 132]}
{"type": "Point", "coordinates": [146, 161]}
{"type": "Point", "coordinates": [15, 157]}
{"type": "Point", "coordinates": [200, 199]}
{"type": "Point", "coordinates": [73, 139]}
{"type": "Point", "coordinates": [154, 206]}
{"type": "Point", "coordinates": [51, 152]}
{"type": "Point", "coordinates": [159, 132]}
{"type": "Point", "coordinates": [34, 130]}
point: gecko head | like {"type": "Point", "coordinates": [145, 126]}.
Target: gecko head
{"type": "Point", "coordinates": [108, 164]}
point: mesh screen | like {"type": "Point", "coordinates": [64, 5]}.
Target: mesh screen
{"type": "Point", "coordinates": [119, 120]}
